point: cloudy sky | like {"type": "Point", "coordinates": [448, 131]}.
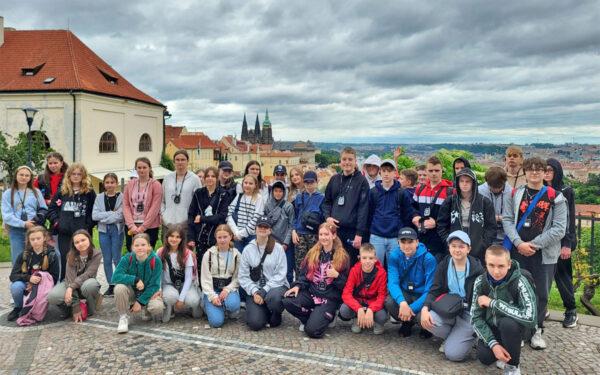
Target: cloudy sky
{"type": "Point", "coordinates": [381, 71]}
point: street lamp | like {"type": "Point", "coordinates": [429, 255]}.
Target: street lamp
{"type": "Point", "coordinates": [30, 114]}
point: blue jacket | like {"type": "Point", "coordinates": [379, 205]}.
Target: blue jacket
{"type": "Point", "coordinates": [418, 269]}
{"type": "Point", "coordinates": [34, 204]}
{"type": "Point", "coordinates": [389, 210]}
{"type": "Point", "coordinates": [306, 202]}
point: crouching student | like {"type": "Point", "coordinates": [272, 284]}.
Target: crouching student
{"type": "Point", "coordinates": [446, 311]}
{"type": "Point", "coordinates": [410, 275]}
{"type": "Point", "coordinates": [317, 294]}
{"type": "Point", "coordinates": [137, 283]}
{"type": "Point", "coordinates": [262, 274]}
{"type": "Point", "coordinates": [219, 278]}
{"type": "Point", "coordinates": [80, 281]}
{"type": "Point", "coordinates": [501, 321]}
{"type": "Point", "coordinates": [180, 274]}
{"type": "Point", "coordinates": [37, 257]}
{"type": "Point", "coordinates": [365, 292]}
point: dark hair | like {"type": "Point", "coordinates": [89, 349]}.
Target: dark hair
{"type": "Point", "coordinates": [54, 155]}
{"type": "Point", "coordinates": [176, 228]}
{"type": "Point", "coordinates": [144, 160]}
{"type": "Point", "coordinates": [74, 254]}
{"type": "Point", "coordinates": [181, 152]}
{"type": "Point", "coordinates": [411, 175]}
{"type": "Point", "coordinates": [434, 160]}
{"type": "Point", "coordinates": [29, 249]}
{"type": "Point", "coordinates": [111, 175]}
{"type": "Point", "coordinates": [530, 163]}
{"type": "Point", "coordinates": [421, 167]}
{"type": "Point", "coordinates": [15, 185]}
{"type": "Point", "coordinates": [496, 177]}
{"type": "Point", "coordinates": [214, 170]}
{"type": "Point", "coordinates": [259, 178]}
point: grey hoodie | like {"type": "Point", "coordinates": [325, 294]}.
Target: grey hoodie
{"type": "Point", "coordinates": [499, 201]}
{"type": "Point", "coordinates": [282, 215]}
{"type": "Point", "coordinates": [274, 268]}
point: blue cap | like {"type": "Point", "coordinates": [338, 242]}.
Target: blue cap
{"type": "Point", "coordinates": [310, 176]}
{"type": "Point", "coordinates": [461, 236]}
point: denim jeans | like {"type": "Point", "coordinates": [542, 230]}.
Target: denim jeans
{"type": "Point", "coordinates": [111, 243]}
{"type": "Point", "coordinates": [17, 242]}
{"type": "Point", "coordinates": [289, 256]}
{"type": "Point", "coordinates": [216, 314]}
{"type": "Point", "coordinates": [17, 289]}
{"type": "Point", "coordinates": [241, 244]}
{"type": "Point", "coordinates": [383, 246]}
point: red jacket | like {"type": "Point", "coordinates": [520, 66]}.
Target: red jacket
{"type": "Point", "coordinates": [373, 297]}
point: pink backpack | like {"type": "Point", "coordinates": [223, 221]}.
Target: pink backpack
{"type": "Point", "coordinates": [36, 305]}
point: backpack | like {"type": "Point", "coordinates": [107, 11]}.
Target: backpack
{"type": "Point", "coordinates": [152, 261]}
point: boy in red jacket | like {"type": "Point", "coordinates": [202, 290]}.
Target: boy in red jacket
{"type": "Point", "coordinates": [365, 292]}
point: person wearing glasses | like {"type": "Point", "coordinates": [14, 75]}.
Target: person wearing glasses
{"type": "Point", "coordinates": [513, 164]}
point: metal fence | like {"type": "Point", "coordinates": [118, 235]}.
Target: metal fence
{"type": "Point", "coordinates": [591, 222]}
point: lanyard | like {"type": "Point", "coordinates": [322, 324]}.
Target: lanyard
{"type": "Point", "coordinates": [460, 290]}
{"type": "Point", "coordinates": [182, 182]}
{"type": "Point", "coordinates": [145, 190]}
{"type": "Point", "coordinates": [22, 199]}
{"type": "Point", "coordinates": [226, 262]}
{"type": "Point", "coordinates": [348, 186]}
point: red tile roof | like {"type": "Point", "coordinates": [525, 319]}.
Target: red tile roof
{"type": "Point", "coordinates": [64, 57]}
{"type": "Point", "coordinates": [192, 142]}
{"type": "Point", "coordinates": [172, 132]}
{"type": "Point", "coordinates": [587, 209]}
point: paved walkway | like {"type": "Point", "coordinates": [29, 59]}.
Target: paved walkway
{"type": "Point", "coordinates": [185, 345]}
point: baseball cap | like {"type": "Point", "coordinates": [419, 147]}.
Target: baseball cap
{"type": "Point", "coordinates": [263, 221]}
{"type": "Point", "coordinates": [310, 176]}
{"type": "Point", "coordinates": [226, 164]}
{"type": "Point", "coordinates": [279, 169]}
{"type": "Point", "coordinates": [389, 162]}
{"type": "Point", "coordinates": [461, 236]}
{"type": "Point", "coordinates": [407, 233]}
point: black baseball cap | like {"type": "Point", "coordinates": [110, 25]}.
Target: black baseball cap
{"type": "Point", "coordinates": [263, 221]}
{"type": "Point", "coordinates": [280, 169]}
{"type": "Point", "coordinates": [226, 164]}
{"type": "Point", "coordinates": [310, 176]}
{"type": "Point", "coordinates": [407, 233]}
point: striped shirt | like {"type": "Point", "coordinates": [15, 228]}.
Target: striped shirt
{"type": "Point", "coordinates": [249, 210]}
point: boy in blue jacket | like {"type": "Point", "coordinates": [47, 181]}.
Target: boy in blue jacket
{"type": "Point", "coordinates": [137, 283]}
{"type": "Point", "coordinates": [410, 274]}
{"type": "Point", "coordinates": [390, 208]}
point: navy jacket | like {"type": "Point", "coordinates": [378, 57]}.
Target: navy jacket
{"type": "Point", "coordinates": [389, 210]}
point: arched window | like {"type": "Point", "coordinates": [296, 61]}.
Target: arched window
{"type": "Point", "coordinates": [108, 143]}
{"type": "Point", "coordinates": [41, 136]}
{"type": "Point", "coordinates": [145, 142]}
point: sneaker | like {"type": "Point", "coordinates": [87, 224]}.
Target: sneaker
{"type": "Point", "coordinates": [123, 324]}
{"type": "Point", "coordinates": [394, 320]}
{"type": "Point", "coordinates": [301, 328]}
{"type": "Point", "coordinates": [442, 348]}
{"type": "Point", "coordinates": [405, 330]}
{"type": "Point", "coordinates": [233, 315]}
{"type": "Point", "coordinates": [355, 327]}
{"type": "Point", "coordinates": [546, 315]}
{"type": "Point", "coordinates": [146, 317]}
{"type": "Point", "coordinates": [425, 334]}
{"type": "Point", "coordinates": [522, 343]}
{"type": "Point", "coordinates": [110, 292]}
{"type": "Point", "coordinates": [537, 341]}
{"type": "Point", "coordinates": [500, 365]}
{"type": "Point", "coordinates": [571, 319]}
{"type": "Point", "coordinates": [65, 311]}
{"type": "Point", "coordinates": [243, 305]}
{"type": "Point", "coordinates": [512, 370]}
{"type": "Point", "coordinates": [378, 329]}
{"type": "Point", "coordinates": [14, 314]}
{"type": "Point", "coordinates": [332, 324]}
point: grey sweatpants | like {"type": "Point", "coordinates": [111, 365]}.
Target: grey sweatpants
{"type": "Point", "coordinates": [171, 295]}
{"type": "Point", "coordinates": [346, 313]}
{"type": "Point", "coordinates": [90, 290]}
{"type": "Point", "coordinates": [458, 334]}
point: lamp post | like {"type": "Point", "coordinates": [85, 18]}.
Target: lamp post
{"type": "Point", "coordinates": [30, 114]}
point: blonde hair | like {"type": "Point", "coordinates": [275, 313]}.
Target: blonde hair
{"type": "Point", "coordinates": [67, 186]}
{"type": "Point", "coordinates": [499, 251]}
{"type": "Point", "coordinates": [29, 249]}
{"type": "Point", "coordinates": [143, 236]}
{"type": "Point", "coordinates": [340, 256]}
{"type": "Point", "coordinates": [256, 187]}
{"type": "Point", "coordinates": [225, 228]}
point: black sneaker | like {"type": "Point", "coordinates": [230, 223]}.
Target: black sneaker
{"type": "Point", "coordinates": [14, 314]}
{"type": "Point", "coordinates": [65, 311]}
{"type": "Point", "coordinates": [570, 320]}
{"type": "Point", "coordinates": [425, 334]}
{"type": "Point", "coordinates": [405, 329]}
{"type": "Point", "coordinates": [110, 292]}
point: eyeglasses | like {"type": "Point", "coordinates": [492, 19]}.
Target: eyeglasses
{"type": "Point", "coordinates": [536, 170]}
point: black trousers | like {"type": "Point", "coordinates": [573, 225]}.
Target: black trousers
{"type": "Point", "coordinates": [393, 308]}
{"type": "Point", "coordinates": [257, 316]}
{"type": "Point", "coordinates": [346, 235]}
{"type": "Point", "coordinates": [508, 334]}
{"type": "Point", "coordinates": [64, 245]}
{"type": "Point", "coordinates": [315, 318]}
{"type": "Point", "coordinates": [152, 232]}
{"type": "Point", "coordinates": [542, 276]}
{"type": "Point", "coordinates": [564, 282]}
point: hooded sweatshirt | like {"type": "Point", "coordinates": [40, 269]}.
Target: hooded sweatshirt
{"type": "Point", "coordinates": [281, 215]}
{"type": "Point", "coordinates": [306, 202]}
{"type": "Point", "coordinates": [69, 213]}
{"type": "Point", "coordinates": [130, 270]}
{"type": "Point", "coordinates": [389, 210]}
{"type": "Point", "coordinates": [460, 159]}
{"type": "Point", "coordinates": [274, 269]}
{"type": "Point", "coordinates": [319, 284]}
{"type": "Point", "coordinates": [354, 212]}
{"type": "Point", "coordinates": [570, 238]}
{"type": "Point", "coordinates": [419, 270]}
{"type": "Point", "coordinates": [481, 226]}
{"type": "Point", "coordinates": [498, 201]}
{"type": "Point", "coordinates": [371, 160]}
{"type": "Point", "coordinates": [357, 294]}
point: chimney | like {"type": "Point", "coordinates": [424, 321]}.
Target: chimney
{"type": "Point", "coordinates": [1, 31]}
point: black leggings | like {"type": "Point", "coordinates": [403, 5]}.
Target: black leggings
{"type": "Point", "coordinates": [257, 316]}
{"type": "Point", "coordinates": [152, 232]}
{"type": "Point", "coordinates": [315, 318]}
{"type": "Point", "coordinates": [508, 334]}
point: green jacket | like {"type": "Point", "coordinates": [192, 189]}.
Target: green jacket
{"type": "Point", "coordinates": [129, 271]}
{"type": "Point", "coordinates": [523, 311]}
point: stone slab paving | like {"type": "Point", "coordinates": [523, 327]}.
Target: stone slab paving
{"type": "Point", "coordinates": [186, 345]}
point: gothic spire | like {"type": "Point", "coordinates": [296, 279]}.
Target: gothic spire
{"type": "Point", "coordinates": [244, 129]}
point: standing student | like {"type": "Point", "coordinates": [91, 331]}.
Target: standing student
{"type": "Point", "coordinates": [180, 274]}
{"type": "Point", "coordinates": [390, 209]}
{"type": "Point", "coordinates": [365, 292]}
{"type": "Point", "coordinates": [37, 256]}
{"type": "Point", "coordinates": [307, 218]}
{"type": "Point", "coordinates": [296, 184]}
{"type": "Point", "coordinates": [141, 203]}
{"type": "Point", "coordinates": [281, 216]}
{"type": "Point", "coordinates": [498, 191]}
{"type": "Point", "coordinates": [253, 168]}
{"type": "Point", "coordinates": [408, 179]}
{"type": "Point", "coordinates": [71, 209]}
{"type": "Point", "coordinates": [535, 222]}
{"type": "Point", "coordinates": [346, 204]}
{"type": "Point", "coordinates": [219, 278]}
{"type": "Point", "coordinates": [428, 199]}
{"type": "Point", "coordinates": [514, 167]}
{"type": "Point", "coordinates": [200, 174]}
{"type": "Point", "coordinates": [502, 308]}
{"type": "Point", "coordinates": [226, 180]}
{"type": "Point", "coordinates": [137, 283]}
{"type": "Point", "coordinates": [23, 207]}
{"type": "Point", "coordinates": [280, 173]}
{"type": "Point", "coordinates": [459, 164]}
{"type": "Point", "coordinates": [422, 173]}
{"type": "Point", "coordinates": [317, 294]}
{"type": "Point", "coordinates": [452, 285]}
{"type": "Point", "coordinates": [50, 181]}
{"type": "Point", "coordinates": [371, 170]}
{"type": "Point", "coordinates": [80, 281]}
{"type": "Point", "coordinates": [564, 269]}
{"type": "Point", "coordinates": [108, 212]}
{"type": "Point", "coordinates": [178, 190]}
{"type": "Point", "coordinates": [410, 275]}
{"type": "Point", "coordinates": [262, 275]}
{"type": "Point", "coordinates": [468, 211]}
{"type": "Point", "coordinates": [207, 211]}
{"type": "Point", "coordinates": [244, 210]}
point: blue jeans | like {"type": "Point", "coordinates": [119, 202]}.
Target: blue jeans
{"type": "Point", "coordinates": [216, 314]}
{"type": "Point", "coordinates": [241, 244]}
{"type": "Point", "coordinates": [111, 243]}
{"type": "Point", "coordinates": [383, 246]}
{"type": "Point", "coordinates": [17, 289]}
{"type": "Point", "coordinates": [17, 242]}
{"type": "Point", "coordinates": [291, 262]}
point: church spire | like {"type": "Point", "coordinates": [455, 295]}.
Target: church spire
{"type": "Point", "coordinates": [244, 129]}
{"type": "Point", "coordinates": [257, 129]}
{"type": "Point", "coordinates": [267, 122]}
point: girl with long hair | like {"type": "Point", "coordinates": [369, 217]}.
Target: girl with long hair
{"type": "Point", "coordinates": [254, 168]}
{"type": "Point", "coordinates": [243, 212]}
{"type": "Point", "coordinates": [50, 181]}
{"type": "Point", "coordinates": [317, 293]}
{"type": "Point", "coordinates": [296, 184]}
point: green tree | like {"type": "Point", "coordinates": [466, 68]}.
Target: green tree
{"type": "Point", "coordinates": [447, 157]}
{"type": "Point", "coordinates": [326, 158]}
{"type": "Point", "coordinates": [402, 161]}
{"type": "Point", "coordinates": [587, 192]}
{"type": "Point", "coordinates": [166, 162]}
{"type": "Point", "coordinates": [14, 154]}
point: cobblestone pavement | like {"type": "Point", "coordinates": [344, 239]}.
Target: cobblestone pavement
{"type": "Point", "coordinates": [186, 345]}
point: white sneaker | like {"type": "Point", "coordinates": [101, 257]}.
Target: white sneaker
{"type": "Point", "coordinates": [512, 370]}
{"type": "Point", "coordinates": [332, 324]}
{"type": "Point", "coordinates": [537, 341]}
{"type": "Point", "coordinates": [500, 365]}
{"type": "Point", "coordinates": [378, 329]}
{"type": "Point", "coordinates": [145, 315]}
{"type": "Point", "coordinates": [301, 328]}
{"type": "Point", "coordinates": [123, 324]}
{"type": "Point", "coordinates": [394, 320]}
{"type": "Point", "coordinates": [442, 348]}
{"type": "Point", "coordinates": [355, 327]}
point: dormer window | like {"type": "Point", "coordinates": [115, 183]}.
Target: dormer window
{"type": "Point", "coordinates": [30, 72]}
{"type": "Point", "coordinates": [110, 79]}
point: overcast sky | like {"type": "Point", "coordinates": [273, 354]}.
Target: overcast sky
{"type": "Point", "coordinates": [381, 71]}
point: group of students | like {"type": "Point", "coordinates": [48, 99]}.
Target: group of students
{"type": "Point", "coordinates": [286, 246]}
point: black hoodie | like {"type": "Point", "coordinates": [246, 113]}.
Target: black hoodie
{"type": "Point", "coordinates": [482, 218]}
{"type": "Point", "coordinates": [570, 238]}
{"type": "Point", "coordinates": [354, 212]}
{"type": "Point", "coordinates": [463, 160]}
